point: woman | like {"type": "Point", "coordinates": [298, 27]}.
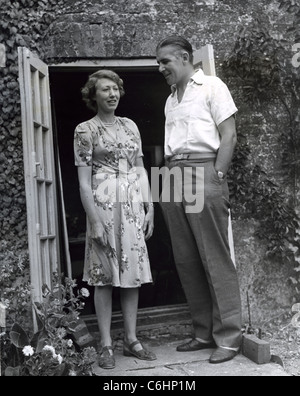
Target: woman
{"type": "Point", "coordinates": [108, 155]}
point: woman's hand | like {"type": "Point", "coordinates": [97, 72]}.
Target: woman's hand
{"type": "Point", "coordinates": [98, 234]}
{"type": "Point", "coordinates": [149, 224]}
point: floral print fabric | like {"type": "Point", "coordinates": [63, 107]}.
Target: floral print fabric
{"type": "Point", "coordinates": [124, 262]}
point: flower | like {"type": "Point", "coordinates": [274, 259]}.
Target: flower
{"type": "Point", "coordinates": [61, 332]}
{"type": "Point", "coordinates": [59, 358]}
{"type": "Point", "coordinates": [90, 354]}
{"type": "Point", "coordinates": [60, 355]}
{"type": "Point", "coordinates": [85, 292]}
{"type": "Point", "coordinates": [28, 350]}
{"type": "Point", "coordinates": [50, 349]}
{"type": "Point", "coordinates": [71, 282]}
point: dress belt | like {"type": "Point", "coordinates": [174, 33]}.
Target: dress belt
{"type": "Point", "coordinates": [192, 156]}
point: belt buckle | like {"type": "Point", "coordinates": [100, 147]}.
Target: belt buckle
{"type": "Point", "coordinates": [179, 156]}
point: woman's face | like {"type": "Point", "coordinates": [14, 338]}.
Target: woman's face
{"type": "Point", "coordinates": [107, 95]}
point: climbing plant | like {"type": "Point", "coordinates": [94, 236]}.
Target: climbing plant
{"type": "Point", "coordinates": [22, 23]}
{"type": "Point", "coordinates": [293, 7]}
{"type": "Point", "coordinates": [290, 93]}
{"type": "Point", "coordinates": [263, 67]}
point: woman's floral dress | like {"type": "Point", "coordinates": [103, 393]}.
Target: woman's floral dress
{"type": "Point", "coordinates": [116, 187]}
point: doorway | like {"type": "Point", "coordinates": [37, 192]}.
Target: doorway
{"type": "Point", "coordinates": [146, 93]}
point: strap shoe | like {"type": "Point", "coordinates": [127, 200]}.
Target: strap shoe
{"type": "Point", "coordinates": [107, 359]}
{"type": "Point", "coordinates": [142, 354]}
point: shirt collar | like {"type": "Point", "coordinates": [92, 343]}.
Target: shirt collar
{"type": "Point", "coordinates": [197, 78]}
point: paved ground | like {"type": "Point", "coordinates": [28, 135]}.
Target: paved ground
{"type": "Point", "coordinates": [173, 364]}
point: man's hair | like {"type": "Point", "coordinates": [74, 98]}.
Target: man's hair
{"type": "Point", "coordinates": [179, 42]}
{"type": "Point", "coordinates": [89, 90]}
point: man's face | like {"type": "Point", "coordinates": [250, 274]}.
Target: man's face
{"type": "Point", "coordinates": [171, 64]}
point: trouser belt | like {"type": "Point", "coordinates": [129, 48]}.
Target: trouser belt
{"type": "Point", "coordinates": [192, 156]}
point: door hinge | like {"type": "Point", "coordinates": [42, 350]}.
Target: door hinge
{"type": "Point", "coordinates": [34, 164]}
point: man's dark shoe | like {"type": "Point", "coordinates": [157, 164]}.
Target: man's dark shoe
{"type": "Point", "coordinates": [195, 345]}
{"type": "Point", "coordinates": [222, 355]}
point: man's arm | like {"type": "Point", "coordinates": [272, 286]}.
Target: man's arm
{"type": "Point", "coordinates": [228, 134]}
{"type": "Point", "coordinates": [146, 193]}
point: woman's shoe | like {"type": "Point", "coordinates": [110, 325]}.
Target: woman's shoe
{"type": "Point", "coordinates": [143, 354]}
{"type": "Point", "coordinates": [106, 359]}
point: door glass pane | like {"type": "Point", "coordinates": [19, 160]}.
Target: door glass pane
{"type": "Point", "coordinates": [46, 154]}
{"type": "Point", "coordinates": [41, 208]}
{"type": "Point", "coordinates": [50, 209]}
{"type": "Point", "coordinates": [39, 155]}
{"type": "Point", "coordinates": [36, 101]}
{"type": "Point", "coordinates": [43, 100]}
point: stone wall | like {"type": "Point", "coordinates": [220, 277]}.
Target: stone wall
{"type": "Point", "coordinates": [127, 29]}
{"type": "Point", "coordinates": [124, 29]}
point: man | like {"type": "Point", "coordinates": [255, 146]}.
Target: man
{"type": "Point", "coordinates": [200, 132]}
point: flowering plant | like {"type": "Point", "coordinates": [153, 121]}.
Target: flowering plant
{"type": "Point", "coordinates": [56, 348]}
{"type": "Point", "coordinates": [15, 286]}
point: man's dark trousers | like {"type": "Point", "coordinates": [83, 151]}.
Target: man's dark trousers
{"type": "Point", "coordinates": [202, 256]}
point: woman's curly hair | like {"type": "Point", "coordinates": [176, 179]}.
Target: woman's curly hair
{"type": "Point", "coordinates": [89, 90]}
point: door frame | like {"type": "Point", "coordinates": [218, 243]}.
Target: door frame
{"type": "Point", "coordinates": [203, 57]}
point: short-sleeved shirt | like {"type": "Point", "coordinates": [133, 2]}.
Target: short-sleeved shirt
{"type": "Point", "coordinates": [192, 124]}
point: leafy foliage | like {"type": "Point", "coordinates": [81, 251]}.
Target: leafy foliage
{"type": "Point", "coordinates": [263, 66]}
{"type": "Point", "coordinates": [15, 285]}
{"type": "Point", "coordinates": [255, 60]}
{"type": "Point", "coordinates": [22, 23]}
{"type": "Point", "coordinates": [293, 7]}
{"type": "Point", "coordinates": [54, 350]}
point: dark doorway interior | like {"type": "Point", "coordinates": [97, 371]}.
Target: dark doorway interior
{"type": "Point", "coordinates": [146, 92]}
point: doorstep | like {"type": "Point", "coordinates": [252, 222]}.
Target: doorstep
{"type": "Point", "coordinates": [162, 329]}
{"type": "Point", "coordinates": [174, 319]}
{"type": "Point", "coordinates": [170, 363]}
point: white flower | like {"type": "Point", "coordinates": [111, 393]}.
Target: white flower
{"type": "Point", "coordinates": [59, 358]}
{"type": "Point", "coordinates": [72, 373]}
{"type": "Point", "coordinates": [28, 350]}
{"type": "Point", "coordinates": [70, 343]}
{"type": "Point", "coordinates": [50, 349]}
{"type": "Point", "coordinates": [85, 292]}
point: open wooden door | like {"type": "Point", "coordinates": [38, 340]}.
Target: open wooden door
{"type": "Point", "coordinates": [40, 174]}
{"type": "Point", "coordinates": [204, 57]}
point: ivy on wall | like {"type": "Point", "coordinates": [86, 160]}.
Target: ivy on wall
{"type": "Point", "coordinates": [263, 67]}
{"type": "Point", "coordinates": [22, 23]}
